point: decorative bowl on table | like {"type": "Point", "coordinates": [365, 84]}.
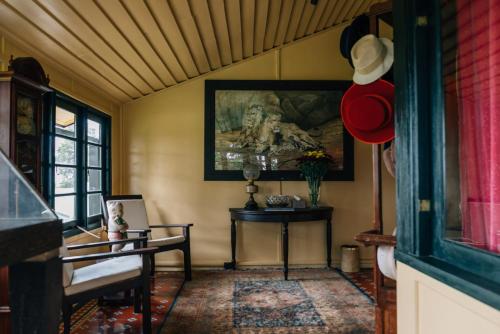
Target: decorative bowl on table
{"type": "Point", "coordinates": [277, 201]}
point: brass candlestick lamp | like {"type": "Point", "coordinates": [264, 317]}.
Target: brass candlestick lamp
{"type": "Point", "coordinates": [251, 172]}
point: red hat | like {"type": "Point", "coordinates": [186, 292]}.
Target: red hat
{"type": "Point", "coordinates": [367, 111]}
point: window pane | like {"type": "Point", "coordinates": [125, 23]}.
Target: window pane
{"type": "Point", "coordinates": [65, 207]}
{"type": "Point", "coordinates": [65, 151]}
{"type": "Point", "coordinates": [93, 156]}
{"type": "Point", "coordinates": [65, 122]}
{"type": "Point", "coordinates": [65, 180]}
{"type": "Point", "coordinates": [93, 180]}
{"type": "Point", "coordinates": [471, 80]}
{"type": "Point", "coordinates": [93, 204]}
{"type": "Point", "coordinates": [93, 131]}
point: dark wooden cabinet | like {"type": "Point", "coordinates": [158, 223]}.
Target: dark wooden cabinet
{"type": "Point", "coordinates": [22, 104]}
{"type": "Point", "coordinates": [23, 90]}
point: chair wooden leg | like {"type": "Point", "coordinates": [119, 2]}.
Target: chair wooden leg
{"type": "Point", "coordinates": [187, 262]}
{"type": "Point", "coordinates": [137, 300]}
{"type": "Point", "coordinates": [146, 297]}
{"type": "Point", "coordinates": [153, 266]}
{"type": "Point", "coordinates": [146, 311]}
{"type": "Point", "coordinates": [127, 296]}
{"type": "Point", "coordinates": [67, 309]}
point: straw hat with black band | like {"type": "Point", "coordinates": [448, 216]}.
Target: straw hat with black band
{"type": "Point", "coordinates": [372, 57]}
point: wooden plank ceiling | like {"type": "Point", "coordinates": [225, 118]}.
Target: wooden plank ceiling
{"type": "Point", "coordinates": [131, 48]}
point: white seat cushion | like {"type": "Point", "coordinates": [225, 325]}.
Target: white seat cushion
{"type": "Point", "coordinates": [128, 247]}
{"type": "Point", "coordinates": [131, 260]}
{"type": "Point", "coordinates": [104, 273]}
{"type": "Point", "coordinates": [166, 241]}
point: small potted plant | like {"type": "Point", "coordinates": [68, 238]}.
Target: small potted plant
{"type": "Point", "coordinates": [313, 164]}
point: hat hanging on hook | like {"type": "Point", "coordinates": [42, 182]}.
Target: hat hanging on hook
{"type": "Point", "coordinates": [367, 111]}
{"type": "Point", "coordinates": [372, 57]}
{"type": "Point", "coordinates": [359, 27]}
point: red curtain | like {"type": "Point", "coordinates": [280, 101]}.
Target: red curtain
{"type": "Point", "coordinates": [478, 51]}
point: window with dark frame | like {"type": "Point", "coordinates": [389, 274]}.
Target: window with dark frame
{"type": "Point", "coordinates": [78, 170]}
{"type": "Point", "coordinates": [446, 73]}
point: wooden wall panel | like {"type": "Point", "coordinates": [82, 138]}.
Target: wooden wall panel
{"type": "Point", "coordinates": [107, 30]}
{"type": "Point", "coordinates": [83, 30]}
{"type": "Point", "coordinates": [144, 19]}
{"type": "Point", "coordinates": [298, 7]}
{"type": "Point", "coordinates": [132, 48]}
{"type": "Point", "coordinates": [233, 15]}
{"type": "Point", "coordinates": [218, 15]}
{"type": "Point", "coordinates": [286, 12]}
{"type": "Point", "coordinates": [247, 26]}
{"type": "Point", "coordinates": [317, 14]}
{"type": "Point", "coordinates": [187, 25]}
{"type": "Point", "coordinates": [56, 49]}
{"type": "Point", "coordinates": [35, 16]}
{"type": "Point", "coordinates": [335, 13]}
{"type": "Point", "coordinates": [330, 6]}
{"type": "Point", "coordinates": [307, 12]}
{"type": "Point", "coordinates": [165, 20]}
{"type": "Point", "coordinates": [348, 5]}
{"type": "Point", "coordinates": [273, 18]}
{"type": "Point", "coordinates": [261, 10]}
{"type": "Point", "coordinates": [203, 21]}
{"type": "Point", "coordinates": [116, 12]}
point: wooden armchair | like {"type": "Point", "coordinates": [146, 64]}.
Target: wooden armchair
{"type": "Point", "coordinates": [134, 213]}
{"type": "Point", "coordinates": [121, 271]}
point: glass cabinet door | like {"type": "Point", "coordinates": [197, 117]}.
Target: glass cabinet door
{"type": "Point", "coordinates": [27, 134]}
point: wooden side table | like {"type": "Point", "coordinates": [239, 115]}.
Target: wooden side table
{"type": "Point", "coordinates": [284, 217]}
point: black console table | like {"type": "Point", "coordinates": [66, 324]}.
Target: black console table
{"type": "Point", "coordinates": [284, 217]}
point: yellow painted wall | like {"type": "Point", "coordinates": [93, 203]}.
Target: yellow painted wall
{"type": "Point", "coordinates": [75, 88]}
{"type": "Point", "coordinates": [162, 157]}
{"type": "Point", "coordinates": [427, 306]}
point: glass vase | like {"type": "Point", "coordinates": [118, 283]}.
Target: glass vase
{"type": "Point", "coordinates": [314, 183]}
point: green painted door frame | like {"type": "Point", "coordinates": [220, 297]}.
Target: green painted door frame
{"type": "Point", "coordinates": [421, 176]}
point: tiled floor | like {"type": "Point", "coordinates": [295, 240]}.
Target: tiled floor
{"type": "Point", "coordinates": [92, 318]}
{"type": "Point", "coordinates": [363, 280]}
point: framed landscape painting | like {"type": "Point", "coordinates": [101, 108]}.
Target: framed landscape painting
{"type": "Point", "coordinates": [270, 123]}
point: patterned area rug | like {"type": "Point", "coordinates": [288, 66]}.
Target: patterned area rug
{"type": "Point", "coordinates": [260, 301]}
{"type": "Point", "coordinates": [92, 318]}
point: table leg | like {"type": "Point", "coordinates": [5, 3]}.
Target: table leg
{"type": "Point", "coordinates": [329, 242]}
{"type": "Point", "coordinates": [285, 249]}
{"type": "Point", "coordinates": [232, 264]}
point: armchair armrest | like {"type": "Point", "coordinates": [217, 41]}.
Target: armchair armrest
{"type": "Point", "coordinates": [100, 256]}
{"type": "Point", "coordinates": [170, 225]}
{"type": "Point", "coordinates": [185, 228]}
{"type": "Point", "coordinates": [139, 231]}
{"type": "Point", "coordinates": [106, 243]}
{"type": "Point", "coordinates": [374, 238]}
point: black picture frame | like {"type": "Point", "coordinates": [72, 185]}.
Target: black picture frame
{"type": "Point", "coordinates": [211, 86]}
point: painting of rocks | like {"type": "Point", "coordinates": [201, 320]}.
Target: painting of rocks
{"type": "Point", "coordinates": [270, 123]}
{"type": "Point", "coordinates": [273, 128]}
